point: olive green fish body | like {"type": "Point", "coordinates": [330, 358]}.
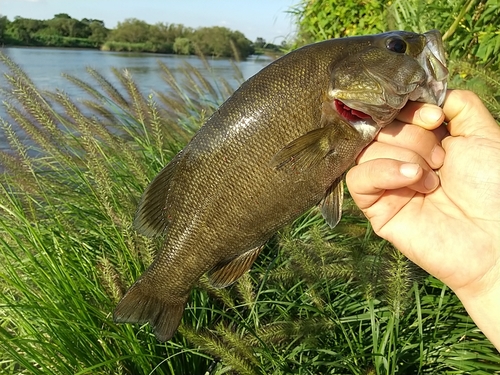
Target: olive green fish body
{"type": "Point", "coordinates": [277, 147]}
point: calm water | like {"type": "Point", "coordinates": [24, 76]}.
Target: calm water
{"type": "Point", "coordinates": [45, 65]}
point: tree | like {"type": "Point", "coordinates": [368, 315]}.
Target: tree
{"type": "Point", "coordinates": [182, 46]}
{"type": "Point", "coordinates": [325, 19]}
{"type": "Point", "coordinates": [99, 33]}
{"type": "Point", "coordinates": [260, 43]}
{"type": "Point", "coordinates": [63, 16]}
{"type": "Point", "coordinates": [24, 29]}
{"type": "Point", "coordinates": [64, 25]}
{"type": "Point", "coordinates": [4, 23]}
{"type": "Point", "coordinates": [244, 47]}
{"type": "Point", "coordinates": [221, 42]}
{"type": "Point", "coordinates": [131, 30]}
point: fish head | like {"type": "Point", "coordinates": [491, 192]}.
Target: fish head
{"type": "Point", "coordinates": [374, 82]}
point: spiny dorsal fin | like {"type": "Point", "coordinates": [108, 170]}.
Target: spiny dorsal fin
{"type": "Point", "coordinates": [227, 272]}
{"type": "Point", "coordinates": [150, 219]}
{"type": "Point", "coordinates": [331, 205]}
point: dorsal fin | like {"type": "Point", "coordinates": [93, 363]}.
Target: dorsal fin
{"type": "Point", "coordinates": [331, 205]}
{"type": "Point", "coordinates": [150, 219]}
{"type": "Point", "coordinates": [227, 272]}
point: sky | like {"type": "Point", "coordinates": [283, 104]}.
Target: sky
{"type": "Point", "coordinates": [254, 18]}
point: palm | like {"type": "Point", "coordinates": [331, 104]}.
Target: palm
{"type": "Point", "coordinates": [458, 217]}
{"type": "Point", "coordinates": [452, 230]}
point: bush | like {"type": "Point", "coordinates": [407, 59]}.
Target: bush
{"type": "Point", "coordinates": [469, 27]}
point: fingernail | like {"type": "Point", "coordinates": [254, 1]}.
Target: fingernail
{"type": "Point", "coordinates": [437, 156]}
{"type": "Point", "coordinates": [431, 181]}
{"type": "Point", "coordinates": [430, 115]}
{"type": "Point", "coordinates": [409, 170]}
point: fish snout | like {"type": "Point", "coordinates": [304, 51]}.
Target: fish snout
{"type": "Point", "coordinates": [433, 61]}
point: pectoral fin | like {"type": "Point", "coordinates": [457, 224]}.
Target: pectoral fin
{"type": "Point", "coordinates": [227, 272]}
{"type": "Point", "coordinates": [314, 146]}
{"type": "Point", "coordinates": [331, 205]}
{"type": "Point", "coordinates": [307, 150]}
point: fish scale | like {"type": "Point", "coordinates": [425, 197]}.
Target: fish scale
{"type": "Point", "coordinates": [273, 150]}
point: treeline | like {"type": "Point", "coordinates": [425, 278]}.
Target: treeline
{"type": "Point", "coordinates": [134, 34]}
{"type": "Point", "coordinates": [60, 31]}
{"type": "Point", "coordinates": [129, 35]}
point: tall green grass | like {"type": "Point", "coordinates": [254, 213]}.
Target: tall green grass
{"type": "Point", "coordinates": [317, 301]}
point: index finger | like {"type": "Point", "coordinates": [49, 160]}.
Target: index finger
{"type": "Point", "coordinates": [425, 115]}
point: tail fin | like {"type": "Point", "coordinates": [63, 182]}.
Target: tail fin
{"type": "Point", "coordinates": [139, 305]}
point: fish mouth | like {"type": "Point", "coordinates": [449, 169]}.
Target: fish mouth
{"type": "Point", "coordinates": [433, 61]}
{"type": "Point", "coordinates": [348, 113]}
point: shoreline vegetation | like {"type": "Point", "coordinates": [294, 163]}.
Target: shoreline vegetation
{"type": "Point", "coordinates": [131, 35]}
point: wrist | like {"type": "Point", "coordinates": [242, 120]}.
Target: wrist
{"type": "Point", "coordinates": [483, 306]}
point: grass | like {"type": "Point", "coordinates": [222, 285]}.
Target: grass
{"type": "Point", "coordinates": [316, 302]}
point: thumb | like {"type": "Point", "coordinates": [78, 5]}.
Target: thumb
{"type": "Point", "coordinates": [467, 115]}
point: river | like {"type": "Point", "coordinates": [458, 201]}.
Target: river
{"type": "Point", "coordinates": [46, 65]}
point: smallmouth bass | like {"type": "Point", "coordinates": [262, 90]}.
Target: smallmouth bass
{"type": "Point", "coordinates": [277, 147]}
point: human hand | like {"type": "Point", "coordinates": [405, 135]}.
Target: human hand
{"type": "Point", "coordinates": [451, 229]}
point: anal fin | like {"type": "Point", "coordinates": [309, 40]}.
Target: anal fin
{"type": "Point", "coordinates": [227, 272]}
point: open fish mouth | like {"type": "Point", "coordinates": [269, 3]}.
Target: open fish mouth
{"type": "Point", "coordinates": [348, 113]}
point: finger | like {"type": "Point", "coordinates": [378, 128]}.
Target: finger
{"type": "Point", "coordinates": [428, 180]}
{"type": "Point", "coordinates": [380, 189]}
{"type": "Point", "coordinates": [367, 182]}
{"type": "Point", "coordinates": [381, 151]}
{"type": "Point", "coordinates": [467, 115]}
{"type": "Point", "coordinates": [425, 115]}
{"type": "Point", "coordinates": [420, 141]}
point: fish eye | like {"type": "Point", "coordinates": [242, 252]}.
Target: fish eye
{"type": "Point", "coordinates": [396, 45]}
